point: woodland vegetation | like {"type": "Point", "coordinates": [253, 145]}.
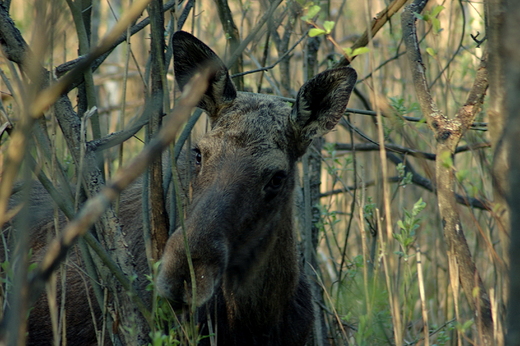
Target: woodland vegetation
{"type": "Point", "coordinates": [403, 214]}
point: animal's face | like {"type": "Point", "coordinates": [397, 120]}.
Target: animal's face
{"type": "Point", "coordinates": [243, 175]}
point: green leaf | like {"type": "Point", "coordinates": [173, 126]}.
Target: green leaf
{"type": "Point", "coordinates": [436, 10]}
{"type": "Point", "coordinates": [431, 51]}
{"type": "Point", "coordinates": [360, 50]}
{"type": "Point", "coordinates": [436, 25]}
{"type": "Point", "coordinates": [418, 207]}
{"type": "Point", "coordinates": [313, 11]}
{"type": "Point", "coordinates": [348, 51]}
{"type": "Point", "coordinates": [328, 26]}
{"type": "Point", "coordinates": [316, 32]}
{"type": "Point", "coordinates": [467, 324]}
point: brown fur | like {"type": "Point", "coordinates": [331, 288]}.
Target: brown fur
{"type": "Point", "coordinates": [239, 228]}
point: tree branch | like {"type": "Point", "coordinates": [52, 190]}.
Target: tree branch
{"type": "Point", "coordinates": [407, 151]}
{"type": "Point", "coordinates": [377, 23]}
{"type": "Point", "coordinates": [448, 133]}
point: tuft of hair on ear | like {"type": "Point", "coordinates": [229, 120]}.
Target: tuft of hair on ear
{"type": "Point", "coordinates": [320, 104]}
{"type": "Point", "coordinates": [191, 55]}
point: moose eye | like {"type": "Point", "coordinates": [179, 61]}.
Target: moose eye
{"type": "Point", "coordinates": [198, 156]}
{"type": "Point", "coordinates": [277, 180]}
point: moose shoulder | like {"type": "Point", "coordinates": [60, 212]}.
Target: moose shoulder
{"type": "Point", "coordinates": [249, 287]}
{"type": "Point", "coordinates": [239, 228]}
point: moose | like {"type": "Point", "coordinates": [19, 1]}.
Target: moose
{"type": "Point", "coordinates": [247, 280]}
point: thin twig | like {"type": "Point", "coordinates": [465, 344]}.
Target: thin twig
{"type": "Point", "coordinates": [96, 205]}
{"type": "Point", "coordinates": [403, 150]}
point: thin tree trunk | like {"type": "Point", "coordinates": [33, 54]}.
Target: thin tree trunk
{"type": "Point", "coordinates": [159, 218]}
{"type": "Point", "coordinates": [232, 35]}
{"type": "Point", "coordinates": [448, 133]}
{"type": "Point", "coordinates": [510, 49]}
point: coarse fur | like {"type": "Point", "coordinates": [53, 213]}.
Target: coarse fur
{"type": "Point", "coordinates": [239, 228]}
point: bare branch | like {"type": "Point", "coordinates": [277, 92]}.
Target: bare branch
{"type": "Point", "coordinates": [404, 150]}
{"type": "Point", "coordinates": [377, 23]}
{"type": "Point", "coordinates": [97, 205]}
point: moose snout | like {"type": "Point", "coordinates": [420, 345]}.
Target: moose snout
{"type": "Point", "coordinates": [177, 282]}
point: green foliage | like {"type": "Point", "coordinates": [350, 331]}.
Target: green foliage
{"type": "Point", "coordinates": [311, 11]}
{"type": "Point", "coordinates": [336, 165]}
{"type": "Point", "coordinates": [408, 227]}
{"type": "Point", "coordinates": [399, 105]}
{"type": "Point", "coordinates": [328, 26]}
{"type": "Point", "coordinates": [443, 335]}
{"type": "Point", "coordinates": [405, 177]}
{"type": "Point", "coordinates": [431, 52]}
{"type": "Point", "coordinates": [168, 330]}
{"type": "Point", "coordinates": [431, 17]}
{"type": "Point", "coordinates": [463, 327]}
{"type": "Point", "coordinates": [316, 32]}
{"type": "Point", "coordinates": [358, 51]}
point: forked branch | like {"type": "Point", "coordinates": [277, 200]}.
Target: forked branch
{"type": "Point", "coordinates": [448, 133]}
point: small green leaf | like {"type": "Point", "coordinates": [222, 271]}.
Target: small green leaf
{"type": "Point", "coordinates": [316, 32]}
{"type": "Point", "coordinates": [313, 11]}
{"type": "Point", "coordinates": [436, 25]}
{"type": "Point", "coordinates": [467, 324]}
{"type": "Point", "coordinates": [360, 50]}
{"type": "Point", "coordinates": [418, 16]}
{"type": "Point", "coordinates": [418, 207]}
{"type": "Point", "coordinates": [348, 51]}
{"type": "Point", "coordinates": [431, 51]}
{"type": "Point", "coordinates": [436, 10]}
{"type": "Point", "coordinates": [328, 26]}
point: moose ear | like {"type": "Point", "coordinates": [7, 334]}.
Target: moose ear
{"type": "Point", "coordinates": [320, 104]}
{"type": "Point", "coordinates": [190, 55]}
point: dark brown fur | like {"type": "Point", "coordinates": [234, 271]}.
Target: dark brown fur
{"type": "Point", "coordinates": [239, 226]}
{"type": "Point", "coordinates": [79, 320]}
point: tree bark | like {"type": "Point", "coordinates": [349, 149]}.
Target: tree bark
{"type": "Point", "coordinates": [158, 218]}
{"type": "Point", "coordinates": [510, 49]}
{"type": "Point", "coordinates": [448, 133]}
{"type": "Point", "coordinates": [497, 118]}
{"type": "Point", "coordinates": [232, 35]}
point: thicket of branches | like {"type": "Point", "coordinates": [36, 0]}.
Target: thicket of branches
{"type": "Point", "coordinates": [402, 210]}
